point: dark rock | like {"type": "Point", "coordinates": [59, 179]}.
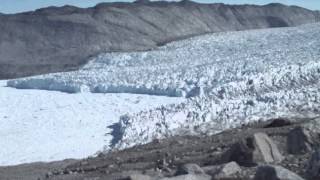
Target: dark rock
{"type": "Point", "coordinates": [313, 170]}
{"type": "Point", "coordinates": [60, 39]}
{"type": "Point", "coordinates": [270, 172]}
{"type": "Point", "coordinates": [162, 164]}
{"type": "Point", "coordinates": [299, 141]}
{"type": "Point", "coordinates": [253, 150]}
{"type": "Point", "coordinates": [189, 169]}
{"type": "Point", "coordinates": [279, 122]}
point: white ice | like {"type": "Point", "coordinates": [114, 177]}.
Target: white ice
{"type": "Point", "coordinates": [40, 125]}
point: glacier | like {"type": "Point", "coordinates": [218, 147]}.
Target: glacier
{"type": "Point", "coordinates": [227, 80]}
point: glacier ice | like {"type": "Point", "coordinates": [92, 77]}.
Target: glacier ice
{"type": "Point", "coordinates": [38, 125]}
{"type": "Point", "coordinates": [229, 79]}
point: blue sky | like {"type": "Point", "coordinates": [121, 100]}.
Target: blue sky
{"type": "Point", "coordinates": [13, 6]}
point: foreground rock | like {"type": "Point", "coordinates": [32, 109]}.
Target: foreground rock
{"type": "Point", "coordinates": [275, 173]}
{"type": "Point", "coordinates": [190, 177]}
{"type": "Point", "coordinates": [313, 170]}
{"type": "Point", "coordinates": [254, 150]}
{"type": "Point", "coordinates": [227, 171]}
{"type": "Point", "coordinates": [59, 39]}
{"type": "Point", "coordinates": [299, 141]}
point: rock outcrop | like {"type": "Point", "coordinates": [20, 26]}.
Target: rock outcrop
{"type": "Point", "coordinates": [299, 141]}
{"type": "Point", "coordinates": [60, 39]}
{"type": "Point", "coordinates": [253, 150]}
{"type": "Point", "coordinates": [228, 171]}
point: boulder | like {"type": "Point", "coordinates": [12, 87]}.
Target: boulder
{"type": "Point", "coordinates": [189, 177]}
{"type": "Point", "coordinates": [228, 171]}
{"type": "Point", "coordinates": [269, 172]}
{"type": "Point", "coordinates": [189, 169]}
{"type": "Point", "coordinates": [313, 170]}
{"type": "Point", "coordinates": [253, 150]}
{"type": "Point", "coordinates": [299, 141]}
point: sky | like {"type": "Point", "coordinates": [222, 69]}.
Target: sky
{"type": "Point", "coordinates": [15, 6]}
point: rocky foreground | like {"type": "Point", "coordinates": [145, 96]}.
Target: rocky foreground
{"type": "Point", "coordinates": [59, 39]}
{"type": "Point", "coordinates": [279, 149]}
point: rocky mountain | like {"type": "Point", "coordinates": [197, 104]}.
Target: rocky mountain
{"type": "Point", "coordinates": [64, 38]}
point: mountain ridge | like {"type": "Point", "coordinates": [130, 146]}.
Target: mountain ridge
{"type": "Point", "coordinates": [64, 38]}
